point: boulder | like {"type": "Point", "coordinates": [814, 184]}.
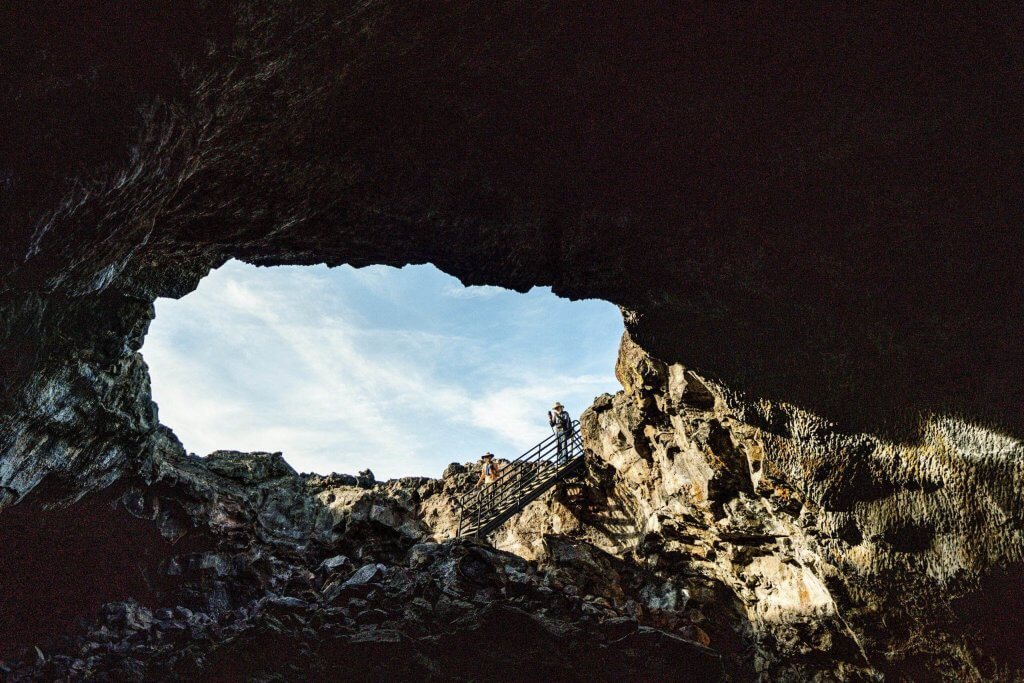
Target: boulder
{"type": "Point", "coordinates": [249, 468]}
{"type": "Point", "coordinates": [332, 564]}
{"type": "Point", "coordinates": [366, 574]}
{"type": "Point", "coordinates": [365, 479]}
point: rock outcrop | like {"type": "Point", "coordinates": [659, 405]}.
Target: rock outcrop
{"type": "Point", "coordinates": [845, 551]}
{"type": "Point", "coordinates": [251, 571]}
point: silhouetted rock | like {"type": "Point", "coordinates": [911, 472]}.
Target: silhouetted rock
{"type": "Point", "coordinates": [366, 479]}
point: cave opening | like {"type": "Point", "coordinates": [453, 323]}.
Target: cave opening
{"type": "Point", "coordinates": [397, 370]}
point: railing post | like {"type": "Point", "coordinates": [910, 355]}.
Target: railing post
{"type": "Point", "coordinates": [519, 487]}
{"type": "Point", "coordinates": [543, 464]}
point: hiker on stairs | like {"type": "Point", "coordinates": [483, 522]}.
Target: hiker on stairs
{"type": "Point", "coordinates": [489, 471]}
{"type": "Point", "coordinates": [561, 423]}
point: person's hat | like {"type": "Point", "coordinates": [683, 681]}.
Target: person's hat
{"type": "Point", "coordinates": [558, 405]}
{"type": "Point", "coordinates": [487, 455]}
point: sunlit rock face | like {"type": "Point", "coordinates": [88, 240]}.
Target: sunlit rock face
{"type": "Point", "coordinates": [843, 548]}
{"type": "Point", "coordinates": [810, 218]}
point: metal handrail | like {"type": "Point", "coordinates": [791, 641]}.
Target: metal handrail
{"type": "Point", "coordinates": [512, 477]}
{"type": "Point", "coordinates": [506, 499]}
{"type": "Point", "coordinates": [526, 474]}
{"type": "Point", "coordinates": [534, 451]}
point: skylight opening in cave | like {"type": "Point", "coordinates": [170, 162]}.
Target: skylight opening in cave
{"type": "Point", "coordinates": [401, 371]}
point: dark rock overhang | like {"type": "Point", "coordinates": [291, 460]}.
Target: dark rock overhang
{"type": "Point", "coordinates": [819, 207]}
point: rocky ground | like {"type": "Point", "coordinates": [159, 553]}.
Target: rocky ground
{"type": "Point", "coordinates": [685, 551]}
{"type": "Point", "coordinates": [254, 572]}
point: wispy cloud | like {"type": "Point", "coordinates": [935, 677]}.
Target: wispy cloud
{"type": "Point", "coordinates": [345, 369]}
{"type": "Point", "coordinates": [457, 291]}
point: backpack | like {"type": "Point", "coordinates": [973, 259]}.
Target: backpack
{"type": "Point", "coordinates": [560, 421]}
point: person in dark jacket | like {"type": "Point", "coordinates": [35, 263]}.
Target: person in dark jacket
{"type": "Point", "coordinates": [561, 424]}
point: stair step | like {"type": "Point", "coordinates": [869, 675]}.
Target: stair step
{"type": "Point", "coordinates": [488, 514]}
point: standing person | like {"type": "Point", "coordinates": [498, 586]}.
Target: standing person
{"type": "Point", "coordinates": [561, 424]}
{"type": "Point", "coordinates": [489, 471]}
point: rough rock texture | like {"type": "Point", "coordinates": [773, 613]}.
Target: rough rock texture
{"type": "Point", "coordinates": [817, 208]}
{"type": "Point", "coordinates": [252, 572]}
{"type": "Point", "coordinates": [846, 552]}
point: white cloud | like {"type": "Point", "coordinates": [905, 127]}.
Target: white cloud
{"type": "Point", "coordinates": [514, 412]}
{"type": "Point", "coordinates": [314, 363]}
{"type": "Point", "coordinates": [457, 291]}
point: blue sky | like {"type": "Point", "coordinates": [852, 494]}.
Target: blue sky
{"type": "Point", "coordinates": [399, 370]}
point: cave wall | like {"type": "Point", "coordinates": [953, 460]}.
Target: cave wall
{"type": "Point", "coordinates": [816, 208]}
{"type": "Point", "coordinates": [876, 557]}
{"type": "Point", "coordinates": [814, 205]}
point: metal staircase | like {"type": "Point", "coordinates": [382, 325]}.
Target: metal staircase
{"type": "Point", "coordinates": [520, 482]}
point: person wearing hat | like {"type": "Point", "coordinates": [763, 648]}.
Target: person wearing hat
{"type": "Point", "coordinates": [561, 424]}
{"type": "Point", "coordinates": [489, 470]}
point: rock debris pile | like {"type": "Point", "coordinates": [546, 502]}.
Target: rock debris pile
{"type": "Point", "coordinates": [253, 586]}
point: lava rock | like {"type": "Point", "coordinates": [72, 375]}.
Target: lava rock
{"type": "Point", "coordinates": [366, 479]}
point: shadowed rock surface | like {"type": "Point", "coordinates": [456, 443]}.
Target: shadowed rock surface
{"type": "Point", "coordinates": [810, 217]}
{"type": "Point", "coordinates": [239, 568]}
